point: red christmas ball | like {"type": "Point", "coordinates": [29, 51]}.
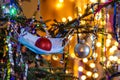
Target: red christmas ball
{"type": "Point", "coordinates": [44, 43]}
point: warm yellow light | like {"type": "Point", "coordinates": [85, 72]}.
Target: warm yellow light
{"type": "Point", "coordinates": [93, 1]}
{"type": "Point", "coordinates": [103, 58]}
{"type": "Point", "coordinates": [55, 57]}
{"type": "Point", "coordinates": [98, 16]}
{"type": "Point", "coordinates": [115, 58]}
{"type": "Point", "coordinates": [114, 47]}
{"type": "Point", "coordinates": [111, 50]}
{"type": "Point", "coordinates": [103, 22]}
{"type": "Point", "coordinates": [85, 60]}
{"type": "Point", "coordinates": [116, 43]}
{"type": "Point", "coordinates": [111, 58]}
{"type": "Point", "coordinates": [98, 44]}
{"type": "Point", "coordinates": [80, 68]}
{"type": "Point", "coordinates": [103, 1]}
{"type": "Point", "coordinates": [92, 65]}
{"type": "Point", "coordinates": [69, 18]}
{"type": "Point", "coordinates": [83, 77]}
{"type": "Point", "coordinates": [85, 6]}
{"type": "Point", "coordinates": [108, 41]}
{"type": "Point", "coordinates": [108, 63]}
{"type": "Point", "coordinates": [61, 1]}
{"type": "Point", "coordinates": [107, 45]}
{"type": "Point", "coordinates": [79, 9]}
{"type": "Point", "coordinates": [59, 5]}
{"type": "Point", "coordinates": [118, 61]}
{"type": "Point", "coordinates": [64, 19]}
{"type": "Point", "coordinates": [109, 36]}
{"type": "Point", "coordinates": [95, 75]}
{"type": "Point", "coordinates": [95, 55]}
{"type": "Point", "coordinates": [80, 14]}
{"type": "Point", "coordinates": [82, 22]}
{"type": "Point", "coordinates": [73, 55]}
{"type": "Point", "coordinates": [89, 73]}
{"type": "Point", "coordinates": [67, 71]}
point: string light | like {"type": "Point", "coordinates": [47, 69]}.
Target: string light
{"type": "Point", "coordinates": [111, 58]}
{"type": "Point", "coordinates": [111, 50]}
{"type": "Point", "coordinates": [85, 60]}
{"type": "Point", "coordinates": [118, 61]}
{"type": "Point", "coordinates": [116, 43]}
{"type": "Point", "coordinates": [114, 47]}
{"type": "Point", "coordinates": [95, 55]}
{"type": "Point", "coordinates": [92, 65]}
{"type": "Point", "coordinates": [89, 73]}
{"type": "Point", "coordinates": [98, 44]}
{"type": "Point", "coordinates": [69, 18]}
{"type": "Point", "coordinates": [103, 58]}
{"type": "Point", "coordinates": [109, 36]}
{"type": "Point", "coordinates": [55, 57]}
{"type": "Point", "coordinates": [115, 58]}
{"type": "Point", "coordinates": [95, 75]}
{"type": "Point", "coordinates": [83, 77]}
{"type": "Point", "coordinates": [93, 1]}
{"type": "Point", "coordinates": [59, 5]}
{"type": "Point", "coordinates": [73, 55]}
{"type": "Point", "coordinates": [61, 1]}
{"type": "Point", "coordinates": [64, 19]}
{"type": "Point", "coordinates": [108, 41]}
{"type": "Point", "coordinates": [80, 68]}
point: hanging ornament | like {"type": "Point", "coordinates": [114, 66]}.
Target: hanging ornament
{"type": "Point", "coordinates": [82, 50]}
{"type": "Point", "coordinates": [44, 43]}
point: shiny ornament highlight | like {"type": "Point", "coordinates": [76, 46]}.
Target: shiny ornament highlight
{"type": "Point", "coordinates": [82, 50]}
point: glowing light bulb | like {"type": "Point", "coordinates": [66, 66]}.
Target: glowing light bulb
{"type": "Point", "coordinates": [118, 61]}
{"type": "Point", "coordinates": [92, 65]}
{"type": "Point", "coordinates": [111, 58]}
{"type": "Point", "coordinates": [103, 58]}
{"type": "Point", "coordinates": [114, 48]}
{"type": "Point", "coordinates": [80, 68]}
{"type": "Point", "coordinates": [83, 77]}
{"type": "Point", "coordinates": [107, 45]}
{"type": "Point", "coordinates": [55, 57]}
{"type": "Point", "coordinates": [13, 11]}
{"type": "Point", "coordinates": [64, 19]}
{"type": "Point", "coordinates": [108, 41]}
{"type": "Point", "coordinates": [93, 1]}
{"type": "Point", "coordinates": [109, 36]}
{"type": "Point", "coordinates": [115, 58]}
{"type": "Point", "coordinates": [3, 7]}
{"type": "Point", "coordinates": [61, 1]}
{"type": "Point", "coordinates": [98, 44]}
{"type": "Point", "coordinates": [95, 55]}
{"type": "Point", "coordinates": [85, 60]}
{"type": "Point", "coordinates": [73, 55]}
{"type": "Point", "coordinates": [67, 71]}
{"type": "Point", "coordinates": [116, 43]}
{"type": "Point", "coordinates": [95, 75]}
{"type": "Point", "coordinates": [59, 5]}
{"type": "Point", "coordinates": [89, 73]}
{"type": "Point", "coordinates": [69, 18]}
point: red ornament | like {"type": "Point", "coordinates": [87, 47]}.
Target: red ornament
{"type": "Point", "coordinates": [44, 43]}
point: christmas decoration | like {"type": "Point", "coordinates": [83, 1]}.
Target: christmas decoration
{"type": "Point", "coordinates": [24, 50]}
{"type": "Point", "coordinates": [44, 44]}
{"type": "Point", "coordinates": [29, 40]}
{"type": "Point", "coordinates": [82, 50]}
